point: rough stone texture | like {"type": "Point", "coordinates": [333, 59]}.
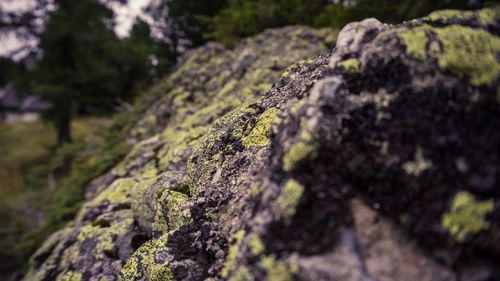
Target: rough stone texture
{"type": "Point", "coordinates": [377, 162]}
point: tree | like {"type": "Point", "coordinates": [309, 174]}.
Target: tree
{"type": "Point", "coordinates": [178, 22]}
{"type": "Point", "coordinates": [144, 59]}
{"type": "Point", "coordinates": [242, 18]}
{"type": "Point", "coordinates": [84, 67]}
{"type": "Point", "coordinates": [390, 11]}
{"type": "Point", "coordinates": [79, 68]}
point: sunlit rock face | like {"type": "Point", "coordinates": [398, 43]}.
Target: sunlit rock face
{"type": "Point", "coordinates": [282, 160]}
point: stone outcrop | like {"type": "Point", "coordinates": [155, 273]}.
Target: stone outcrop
{"type": "Point", "coordinates": [378, 161]}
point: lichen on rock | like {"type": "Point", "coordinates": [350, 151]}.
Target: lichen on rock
{"type": "Point", "coordinates": [245, 165]}
{"type": "Point", "coordinates": [467, 216]}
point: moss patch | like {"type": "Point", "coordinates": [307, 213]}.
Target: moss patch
{"type": "Point", "coordinates": [467, 216]}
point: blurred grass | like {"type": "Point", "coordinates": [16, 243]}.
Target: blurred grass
{"type": "Point", "coordinates": [23, 145]}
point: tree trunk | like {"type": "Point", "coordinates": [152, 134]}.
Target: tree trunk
{"type": "Point", "coordinates": [63, 123]}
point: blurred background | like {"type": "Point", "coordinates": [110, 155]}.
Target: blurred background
{"type": "Point", "coordinates": [74, 76]}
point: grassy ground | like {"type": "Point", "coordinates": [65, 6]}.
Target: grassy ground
{"type": "Point", "coordinates": [34, 192]}
{"type": "Point", "coordinates": [25, 144]}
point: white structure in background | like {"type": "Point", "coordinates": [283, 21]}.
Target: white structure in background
{"type": "Point", "coordinates": [16, 107]}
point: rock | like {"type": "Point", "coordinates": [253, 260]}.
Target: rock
{"type": "Point", "coordinates": [279, 161]}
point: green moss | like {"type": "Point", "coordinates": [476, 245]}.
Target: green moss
{"type": "Point", "coordinates": [70, 276]}
{"type": "Point", "coordinates": [467, 216]}
{"type": "Point", "coordinates": [479, 47]}
{"type": "Point", "coordinates": [278, 270]}
{"type": "Point", "coordinates": [259, 135]}
{"type": "Point", "coordinates": [233, 253]}
{"type": "Point", "coordinates": [351, 65]}
{"type": "Point", "coordinates": [256, 245]}
{"type": "Point", "coordinates": [290, 197]}
{"type": "Point", "coordinates": [297, 155]}
{"type": "Point", "coordinates": [242, 274]}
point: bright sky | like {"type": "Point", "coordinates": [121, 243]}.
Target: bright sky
{"type": "Point", "coordinates": [125, 16]}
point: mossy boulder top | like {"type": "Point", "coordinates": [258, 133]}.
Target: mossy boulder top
{"type": "Point", "coordinates": [281, 159]}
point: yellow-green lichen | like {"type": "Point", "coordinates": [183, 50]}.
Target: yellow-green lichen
{"type": "Point", "coordinates": [259, 135]}
{"type": "Point", "coordinates": [277, 270]}
{"type": "Point", "coordinates": [448, 14]}
{"type": "Point", "coordinates": [256, 245]}
{"type": "Point", "coordinates": [467, 52]}
{"type": "Point", "coordinates": [117, 225]}
{"type": "Point", "coordinates": [418, 165]}
{"type": "Point", "coordinates": [467, 216]}
{"type": "Point", "coordinates": [149, 262]}
{"type": "Point", "coordinates": [297, 154]}
{"type": "Point", "coordinates": [256, 190]}
{"type": "Point", "coordinates": [233, 253]}
{"type": "Point", "coordinates": [172, 212]}
{"type": "Point", "coordinates": [177, 214]}
{"type": "Point", "coordinates": [149, 171]}
{"type": "Point", "coordinates": [289, 198]}
{"type": "Point", "coordinates": [415, 41]}
{"type": "Point", "coordinates": [242, 274]}
{"type": "Point", "coordinates": [489, 15]}
{"type": "Point", "coordinates": [118, 193]}
{"type": "Point", "coordinates": [351, 65]}
{"type": "Point", "coordinates": [69, 276]}
{"type": "Point", "coordinates": [470, 52]}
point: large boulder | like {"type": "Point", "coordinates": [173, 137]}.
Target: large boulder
{"type": "Point", "coordinates": [379, 161]}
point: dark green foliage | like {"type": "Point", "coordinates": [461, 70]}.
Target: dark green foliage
{"type": "Point", "coordinates": [182, 23]}
{"type": "Point", "coordinates": [85, 69]}
{"type": "Point", "coordinates": [80, 66]}
{"type": "Point", "coordinates": [6, 68]}
{"type": "Point", "coordinates": [237, 19]}
{"type": "Point", "coordinates": [389, 11]}
{"type": "Point", "coordinates": [242, 18]}
{"type": "Point", "coordinates": [72, 166]}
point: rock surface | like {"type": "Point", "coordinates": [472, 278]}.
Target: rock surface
{"type": "Point", "coordinates": [379, 161]}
